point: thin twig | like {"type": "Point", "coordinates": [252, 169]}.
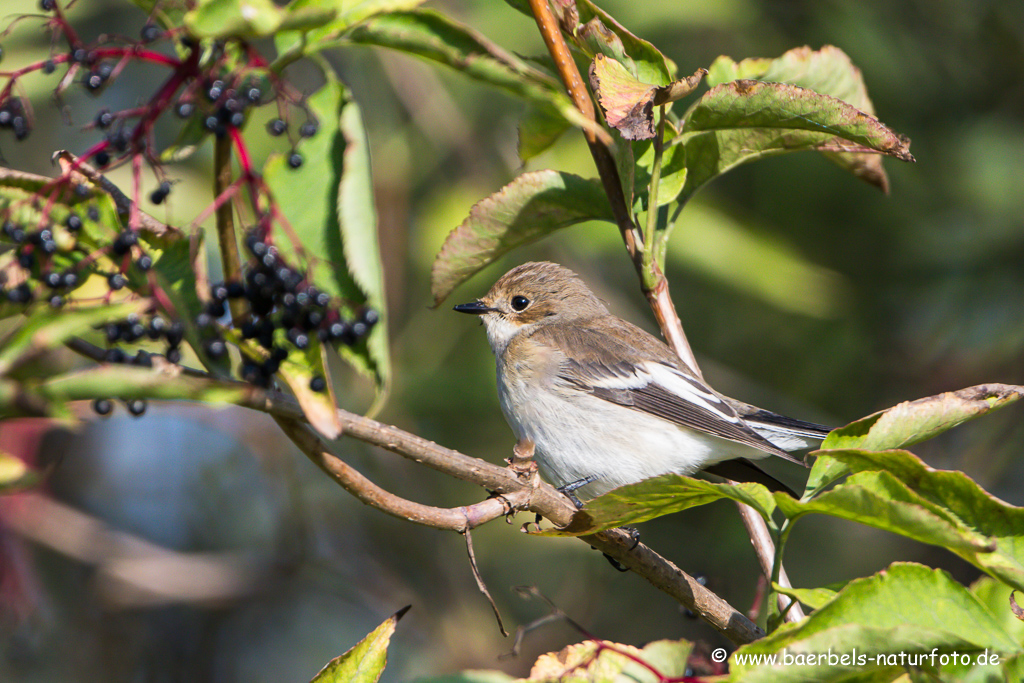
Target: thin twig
{"type": "Point", "coordinates": [480, 580]}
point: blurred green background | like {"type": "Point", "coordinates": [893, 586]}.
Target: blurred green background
{"type": "Point", "coordinates": [801, 290]}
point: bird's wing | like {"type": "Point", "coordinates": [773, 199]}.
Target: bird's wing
{"type": "Point", "coordinates": [655, 381]}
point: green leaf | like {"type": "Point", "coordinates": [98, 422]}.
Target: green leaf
{"type": "Point", "coordinates": [15, 475]}
{"type": "Point", "coordinates": [628, 103]}
{"type": "Point", "coordinates": [933, 506]}
{"type": "Point", "coordinates": [357, 219]}
{"type": "Point", "coordinates": [908, 423]}
{"type": "Point", "coordinates": [530, 207]}
{"type": "Point", "coordinates": [328, 202]}
{"type": "Point", "coordinates": [814, 598]}
{"type": "Point", "coordinates": [347, 13]}
{"type": "Point", "coordinates": [911, 422]}
{"type": "Point", "coordinates": [254, 18]}
{"type": "Point", "coordinates": [906, 609]}
{"type": "Point", "coordinates": [828, 71]}
{"type": "Point", "coordinates": [995, 595]}
{"type": "Point", "coordinates": [651, 498]}
{"type": "Point", "coordinates": [131, 382]}
{"type": "Point", "coordinates": [365, 662]}
{"type": "Point", "coordinates": [744, 120]}
{"type": "Point", "coordinates": [234, 18]}
{"type": "Point", "coordinates": [46, 329]}
{"type": "Point", "coordinates": [431, 35]}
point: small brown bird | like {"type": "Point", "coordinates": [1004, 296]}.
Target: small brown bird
{"type": "Point", "coordinates": [607, 404]}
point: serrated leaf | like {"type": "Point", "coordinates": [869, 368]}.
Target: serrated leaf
{"type": "Point", "coordinates": [828, 71]}
{"type": "Point", "coordinates": [911, 422]}
{"type": "Point", "coordinates": [645, 500]}
{"type": "Point", "coordinates": [628, 103]}
{"type": "Point", "coordinates": [329, 204]}
{"type": "Point", "coordinates": [911, 491]}
{"type": "Point", "coordinates": [357, 219]}
{"type": "Point", "coordinates": [907, 608]}
{"type": "Point", "coordinates": [530, 207]}
{"type": "Point", "coordinates": [744, 120]}
{"type": "Point", "coordinates": [365, 662]}
{"type": "Point", "coordinates": [46, 329]}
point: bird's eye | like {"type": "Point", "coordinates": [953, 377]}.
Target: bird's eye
{"type": "Point", "coordinates": [519, 302]}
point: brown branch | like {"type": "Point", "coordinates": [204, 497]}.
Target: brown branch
{"type": "Point", "coordinates": [460, 519]}
{"type": "Point", "coordinates": [518, 486]}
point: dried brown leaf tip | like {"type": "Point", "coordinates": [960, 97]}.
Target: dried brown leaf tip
{"type": "Point", "coordinates": [629, 103]}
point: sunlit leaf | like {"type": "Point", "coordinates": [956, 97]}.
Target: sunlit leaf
{"type": "Point", "coordinates": [649, 63]}
{"type": "Point", "coordinates": [629, 103]}
{"type": "Point", "coordinates": [530, 207]}
{"type": "Point", "coordinates": [365, 662]}
{"type": "Point", "coordinates": [635, 503]}
{"type": "Point", "coordinates": [46, 329]}
{"type": "Point", "coordinates": [812, 597]}
{"type": "Point", "coordinates": [905, 610]}
{"type": "Point", "coordinates": [895, 491]}
{"type": "Point", "coordinates": [132, 382]}
{"type": "Point", "coordinates": [828, 71]}
{"type": "Point", "coordinates": [346, 13]}
{"type": "Point", "coordinates": [252, 18]}
{"type": "Point", "coordinates": [744, 120]}
{"type": "Point", "coordinates": [911, 422]}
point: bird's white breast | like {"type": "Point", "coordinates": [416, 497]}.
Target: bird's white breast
{"type": "Point", "coordinates": [577, 435]}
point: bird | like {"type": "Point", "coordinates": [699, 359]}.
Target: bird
{"type": "Point", "coordinates": [606, 403]}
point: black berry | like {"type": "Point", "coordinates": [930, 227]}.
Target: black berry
{"type": "Point", "coordinates": [185, 109]}
{"type": "Point", "coordinates": [308, 129]}
{"type": "Point", "coordinates": [116, 281]}
{"type": "Point", "coordinates": [73, 223]}
{"type": "Point", "coordinates": [103, 406]}
{"type": "Point", "coordinates": [150, 32]}
{"type": "Point", "coordinates": [277, 127]}
{"type": "Point", "coordinates": [317, 384]}
{"type": "Point", "coordinates": [136, 406]}
{"type": "Point", "coordinates": [295, 160]}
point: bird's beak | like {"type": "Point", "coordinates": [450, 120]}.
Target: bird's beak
{"type": "Point", "coordinates": [475, 307]}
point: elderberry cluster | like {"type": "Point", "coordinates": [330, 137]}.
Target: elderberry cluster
{"type": "Point", "coordinates": [51, 260]}
{"type": "Point", "coordinates": [281, 298]}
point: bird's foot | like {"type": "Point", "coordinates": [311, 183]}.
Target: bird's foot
{"type": "Point", "coordinates": [570, 488]}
